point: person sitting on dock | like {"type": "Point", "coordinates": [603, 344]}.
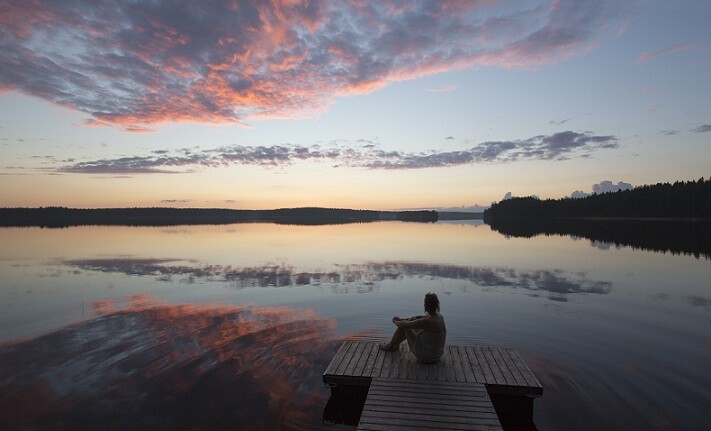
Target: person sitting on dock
{"type": "Point", "coordinates": [425, 334]}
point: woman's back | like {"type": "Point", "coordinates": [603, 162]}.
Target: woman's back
{"type": "Point", "coordinates": [430, 343]}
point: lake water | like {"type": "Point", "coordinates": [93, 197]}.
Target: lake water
{"type": "Point", "coordinates": [231, 326]}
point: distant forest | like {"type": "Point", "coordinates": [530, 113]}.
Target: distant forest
{"type": "Point", "coordinates": [451, 215]}
{"type": "Point", "coordinates": [63, 217]}
{"type": "Point", "coordinates": [680, 200]}
{"type": "Point", "coordinates": [676, 237]}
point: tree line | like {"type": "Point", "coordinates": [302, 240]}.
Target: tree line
{"type": "Point", "coordinates": [63, 217]}
{"type": "Point", "coordinates": [678, 200]}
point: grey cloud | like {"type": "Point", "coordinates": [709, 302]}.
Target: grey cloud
{"type": "Point", "coordinates": [551, 147]}
{"type": "Point", "coordinates": [702, 129]}
{"type": "Point", "coordinates": [669, 132]}
{"type": "Point", "coordinates": [602, 187]}
{"type": "Point", "coordinates": [175, 201]}
{"type": "Point", "coordinates": [133, 64]}
{"type": "Point", "coordinates": [609, 186]}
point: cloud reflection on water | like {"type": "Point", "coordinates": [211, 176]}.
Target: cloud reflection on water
{"type": "Point", "coordinates": [557, 282]}
{"type": "Point", "coordinates": [180, 366]}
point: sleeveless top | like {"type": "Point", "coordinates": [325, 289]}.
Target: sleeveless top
{"type": "Point", "coordinates": [429, 346]}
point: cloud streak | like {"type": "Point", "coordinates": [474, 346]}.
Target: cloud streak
{"type": "Point", "coordinates": [668, 50]}
{"type": "Point", "coordinates": [134, 64]}
{"type": "Point", "coordinates": [558, 146]}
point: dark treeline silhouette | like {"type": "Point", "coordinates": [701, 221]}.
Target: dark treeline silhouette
{"type": "Point", "coordinates": [63, 217]}
{"type": "Point", "coordinates": [453, 215]}
{"type": "Point", "coordinates": [677, 237]}
{"type": "Point", "coordinates": [680, 200]}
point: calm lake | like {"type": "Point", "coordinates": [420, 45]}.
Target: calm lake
{"type": "Point", "coordinates": [231, 326]}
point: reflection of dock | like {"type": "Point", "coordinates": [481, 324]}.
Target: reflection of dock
{"type": "Point", "coordinates": [470, 387]}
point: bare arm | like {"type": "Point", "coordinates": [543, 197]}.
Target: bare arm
{"type": "Point", "coordinates": [415, 322]}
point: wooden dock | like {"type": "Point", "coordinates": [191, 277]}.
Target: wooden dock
{"type": "Point", "coordinates": [400, 404]}
{"type": "Point", "coordinates": [457, 387]}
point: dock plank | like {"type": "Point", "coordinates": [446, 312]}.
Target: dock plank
{"type": "Point", "coordinates": [404, 404]}
{"type": "Point", "coordinates": [484, 365]}
{"type": "Point", "coordinates": [347, 359]}
{"type": "Point", "coordinates": [340, 354]}
{"type": "Point", "coordinates": [474, 364]}
{"type": "Point", "coordinates": [466, 365]}
{"type": "Point", "coordinates": [500, 368]}
{"type": "Point", "coordinates": [360, 366]}
{"type": "Point", "coordinates": [377, 368]}
{"type": "Point", "coordinates": [518, 378]}
{"type": "Point", "coordinates": [368, 366]}
{"type": "Point", "coordinates": [531, 380]}
{"type": "Point", "coordinates": [457, 363]}
{"type": "Point", "coordinates": [495, 371]}
{"type": "Point", "coordinates": [501, 365]}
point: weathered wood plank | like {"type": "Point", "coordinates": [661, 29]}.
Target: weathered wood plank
{"type": "Point", "coordinates": [395, 366]}
{"type": "Point", "coordinates": [340, 354]}
{"type": "Point", "coordinates": [457, 407]}
{"type": "Point", "coordinates": [501, 366]}
{"type": "Point", "coordinates": [431, 371]}
{"type": "Point", "coordinates": [360, 366]}
{"type": "Point", "coordinates": [378, 363]}
{"type": "Point", "coordinates": [427, 405]}
{"type": "Point", "coordinates": [368, 367]}
{"type": "Point", "coordinates": [468, 373]}
{"type": "Point", "coordinates": [441, 372]}
{"type": "Point", "coordinates": [350, 369]}
{"type": "Point", "coordinates": [474, 363]}
{"type": "Point", "coordinates": [530, 378]}
{"type": "Point", "coordinates": [387, 361]}
{"type": "Point", "coordinates": [445, 393]}
{"type": "Point", "coordinates": [347, 359]}
{"type": "Point", "coordinates": [449, 368]}
{"type": "Point", "coordinates": [418, 417]}
{"type": "Point", "coordinates": [457, 362]}
{"type": "Point", "coordinates": [421, 371]}
{"type": "Point", "coordinates": [425, 398]}
{"type": "Point", "coordinates": [396, 385]}
{"type": "Point", "coordinates": [402, 366]}
{"type": "Point", "coordinates": [486, 369]}
{"type": "Point", "coordinates": [518, 378]}
{"type": "Point", "coordinates": [495, 370]}
{"type": "Point", "coordinates": [412, 367]}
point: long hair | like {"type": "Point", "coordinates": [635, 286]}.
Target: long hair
{"type": "Point", "coordinates": [431, 303]}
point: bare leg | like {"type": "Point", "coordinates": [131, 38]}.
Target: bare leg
{"type": "Point", "coordinates": [398, 337]}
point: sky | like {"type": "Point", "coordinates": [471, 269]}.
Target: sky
{"type": "Point", "coordinates": [350, 104]}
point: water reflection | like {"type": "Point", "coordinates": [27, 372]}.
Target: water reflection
{"type": "Point", "coordinates": [155, 365]}
{"type": "Point", "coordinates": [698, 301]}
{"type": "Point", "coordinates": [677, 237]}
{"type": "Point", "coordinates": [556, 282]}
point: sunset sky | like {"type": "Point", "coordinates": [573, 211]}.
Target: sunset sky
{"type": "Point", "coordinates": [377, 105]}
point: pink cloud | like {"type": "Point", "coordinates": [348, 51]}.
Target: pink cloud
{"type": "Point", "coordinates": [148, 63]}
{"type": "Point", "coordinates": [443, 89]}
{"type": "Point", "coordinates": [668, 50]}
